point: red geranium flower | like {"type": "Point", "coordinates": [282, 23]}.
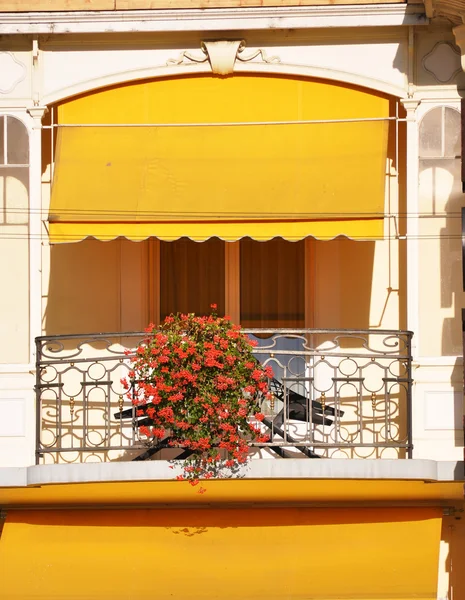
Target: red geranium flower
{"type": "Point", "coordinates": [196, 385]}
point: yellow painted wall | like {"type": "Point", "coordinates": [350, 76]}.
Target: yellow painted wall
{"type": "Point", "coordinates": [96, 287]}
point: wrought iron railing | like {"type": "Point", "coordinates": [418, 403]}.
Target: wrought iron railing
{"type": "Point", "coordinates": [336, 393]}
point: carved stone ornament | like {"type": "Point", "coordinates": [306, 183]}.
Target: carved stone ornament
{"type": "Point", "coordinates": [443, 62]}
{"type": "Point", "coordinates": [12, 71]}
{"type": "Point", "coordinates": [222, 56]}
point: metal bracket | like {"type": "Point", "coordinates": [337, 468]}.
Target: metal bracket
{"type": "Point", "coordinates": [3, 514]}
{"type": "Point", "coordinates": [451, 511]}
{"type": "Point", "coordinates": [35, 49]}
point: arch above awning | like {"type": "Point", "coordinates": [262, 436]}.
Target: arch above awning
{"type": "Point", "coordinates": [225, 157]}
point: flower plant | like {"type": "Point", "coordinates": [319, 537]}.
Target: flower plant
{"type": "Point", "coordinates": [196, 385]}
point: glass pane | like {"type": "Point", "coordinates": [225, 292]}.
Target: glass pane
{"type": "Point", "coordinates": [2, 140]}
{"type": "Point", "coordinates": [272, 283]}
{"type": "Point", "coordinates": [17, 142]}
{"type": "Point", "coordinates": [452, 133]}
{"type": "Point", "coordinates": [191, 277]}
{"type": "Point", "coordinates": [431, 134]}
{"type": "Point", "coordinates": [14, 194]}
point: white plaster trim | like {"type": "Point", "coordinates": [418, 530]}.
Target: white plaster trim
{"type": "Point", "coordinates": [381, 469]}
{"type": "Point", "coordinates": [14, 369]}
{"type": "Point", "coordinates": [35, 225]}
{"type": "Point", "coordinates": [299, 17]}
{"type": "Point", "coordinates": [427, 105]}
{"type": "Point", "coordinates": [322, 73]}
{"type": "Point", "coordinates": [201, 68]}
{"type": "Point", "coordinates": [411, 106]}
{"type": "Point", "coordinates": [35, 266]}
{"type": "Point", "coordinates": [438, 361]}
{"type": "Point", "coordinates": [434, 97]}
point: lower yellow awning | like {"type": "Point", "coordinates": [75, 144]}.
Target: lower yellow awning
{"type": "Point", "coordinates": [225, 554]}
{"type": "Point", "coordinates": [170, 180]}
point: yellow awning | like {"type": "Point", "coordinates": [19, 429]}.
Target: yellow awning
{"type": "Point", "coordinates": [230, 181]}
{"type": "Point", "coordinates": [222, 554]}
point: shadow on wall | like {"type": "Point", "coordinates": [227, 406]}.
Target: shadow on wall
{"type": "Point", "coordinates": [453, 534]}
{"type": "Point", "coordinates": [458, 399]}
{"type": "Point", "coordinates": [361, 284]}
{"type": "Point", "coordinates": [343, 273]}
{"type": "Point", "coordinates": [84, 288]}
{"type": "Point", "coordinates": [452, 296]}
{"type": "Point", "coordinates": [441, 200]}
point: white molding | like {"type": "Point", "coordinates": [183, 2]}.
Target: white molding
{"type": "Point", "coordinates": [35, 115]}
{"type": "Point", "coordinates": [413, 323]}
{"type": "Point", "coordinates": [160, 470]}
{"type": "Point", "coordinates": [201, 68]}
{"type": "Point", "coordinates": [437, 95]}
{"type": "Point", "coordinates": [322, 73]}
{"type": "Point", "coordinates": [16, 368]}
{"type": "Point", "coordinates": [15, 105]}
{"type": "Point", "coordinates": [437, 361]}
{"type": "Point", "coordinates": [234, 19]}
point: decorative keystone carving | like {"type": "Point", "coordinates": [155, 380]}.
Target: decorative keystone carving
{"type": "Point", "coordinates": [222, 56]}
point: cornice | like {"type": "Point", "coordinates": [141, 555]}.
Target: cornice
{"type": "Point", "coordinates": [299, 17]}
{"type": "Point", "coordinates": [452, 10]}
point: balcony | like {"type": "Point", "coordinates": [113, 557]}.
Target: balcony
{"type": "Point", "coordinates": [336, 394]}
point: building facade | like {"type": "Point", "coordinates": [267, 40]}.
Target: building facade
{"type": "Point", "coordinates": [298, 166]}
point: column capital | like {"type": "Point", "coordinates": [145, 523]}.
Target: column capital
{"type": "Point", "coordinates": [410, 106]}
{"type": "Point", "coordinates": [37, 113]}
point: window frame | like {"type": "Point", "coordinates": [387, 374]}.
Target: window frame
{"type": "Point", "coordinates": [232, 280]}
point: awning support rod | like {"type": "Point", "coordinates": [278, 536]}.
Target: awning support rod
{"type": "Point", "coordinates": [226, 124]}
{"type": "Point", "coordinates": [2, 520]}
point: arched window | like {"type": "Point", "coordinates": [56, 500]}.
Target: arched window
{"type": "Point", "coordinates": [440, 133]}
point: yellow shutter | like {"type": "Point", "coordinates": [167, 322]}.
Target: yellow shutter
{"type": "Point", "coordinates": [222, 554]}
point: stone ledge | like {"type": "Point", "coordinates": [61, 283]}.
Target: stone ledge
{"type": "Point", "coordinates": [329, 469]}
